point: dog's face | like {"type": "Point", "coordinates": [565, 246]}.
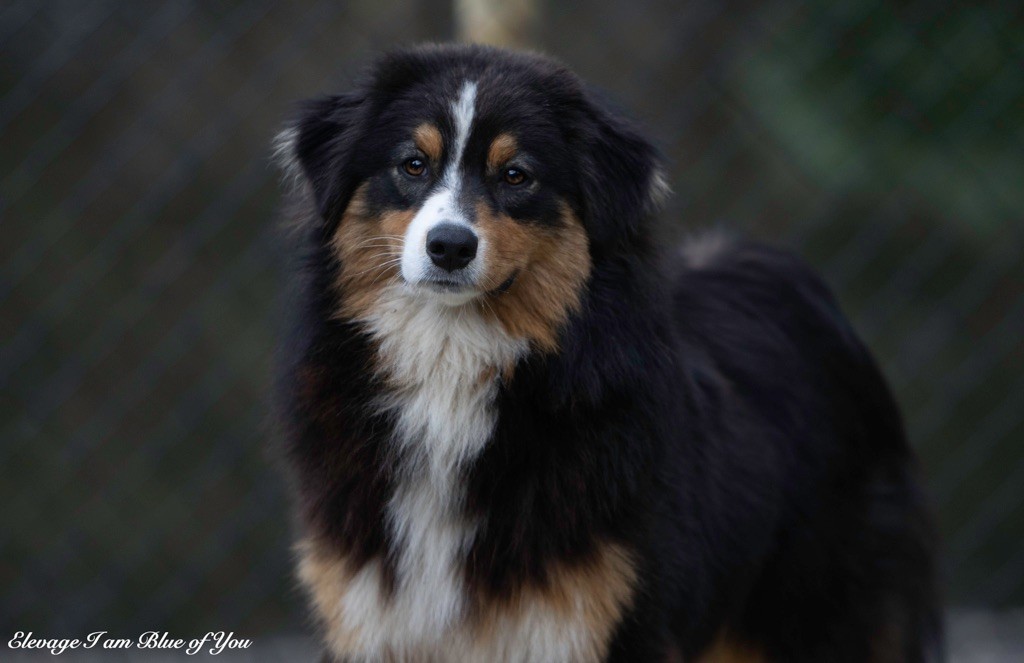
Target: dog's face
{"type": "Point", "coordinates": [472, 176]}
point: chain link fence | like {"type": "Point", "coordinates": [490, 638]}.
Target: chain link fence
{"type": "Point", "coordinates": [139, 271]}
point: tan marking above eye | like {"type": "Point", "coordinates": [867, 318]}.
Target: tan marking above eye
{"type": "Point", "coordinates": [502, 149]}
{"type": "Point", "coordinates": [428, 140]}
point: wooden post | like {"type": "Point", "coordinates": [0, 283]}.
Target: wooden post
{"type": "Point", "coordinates": [497, 22]}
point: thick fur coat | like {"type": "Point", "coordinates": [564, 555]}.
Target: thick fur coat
{"type": "Point", "coordinates": [517, 431]}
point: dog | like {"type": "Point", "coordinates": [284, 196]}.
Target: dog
{"type": "Point", "coordinates": [517, 429]}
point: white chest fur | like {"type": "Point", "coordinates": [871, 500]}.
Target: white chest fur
{"type": "Point", "coordinates": [440, 363]}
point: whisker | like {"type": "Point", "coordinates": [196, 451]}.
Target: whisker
{"type": "Point", "coordinates": [378, 239]}
{"type": "Point", "coordinates": [369, 245]}
{"type": "Point", "coordinates": [385, 253]}
{"type": "Point", "coordinates": [382, 273]}
{"type": "Point", "coordinates": [382, 265]}
{"type": "Point", "coordinates": [489, 307]}
{"type": "Point", "coordinates": [386, 261]}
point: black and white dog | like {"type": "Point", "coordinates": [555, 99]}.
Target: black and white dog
{"type": "Point", "coordinates": [515, 433]}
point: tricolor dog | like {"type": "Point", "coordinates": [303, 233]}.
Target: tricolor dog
{"type": "Point", "coordinates": [517, 430]}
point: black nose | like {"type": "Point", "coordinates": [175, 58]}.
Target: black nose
{"type": "Point", "coordinates": [451, 247]}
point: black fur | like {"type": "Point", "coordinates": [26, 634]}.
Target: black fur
{"type": "Point", "coordinates": [719, 416]}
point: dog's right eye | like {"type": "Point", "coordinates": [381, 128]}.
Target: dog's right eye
{"type": "Point", "coordinates": [415, 166]}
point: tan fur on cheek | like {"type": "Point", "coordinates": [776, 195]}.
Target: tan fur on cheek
{"type": "Point", "coordinates": [579, 604]}
{"type": "Point", "coordinates": [369, 249]}
{"type": "Point", "coordinates": [551, 266]}
{"type": "Point", "coordinates": [510, 246]}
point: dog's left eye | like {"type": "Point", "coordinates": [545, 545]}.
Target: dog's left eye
{"type": "Point", "coordinates": [415, 166]}
{"type": "Point", "coordinates": [515, 177]}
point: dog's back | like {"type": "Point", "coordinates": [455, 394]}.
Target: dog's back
{"type": "Point", "coordinates": [852, 559]}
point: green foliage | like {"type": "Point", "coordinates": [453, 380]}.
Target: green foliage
{"type": "Point", "coordinates": [873, 98]}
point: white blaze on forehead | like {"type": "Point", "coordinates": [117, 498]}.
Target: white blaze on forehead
{"type": "Point", "coordinates": [442, 206]}
{"type": "Point", "coordinates": [463, 111]}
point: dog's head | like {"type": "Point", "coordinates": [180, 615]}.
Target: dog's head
{"type": "Point", "coordinates": [469, 174]}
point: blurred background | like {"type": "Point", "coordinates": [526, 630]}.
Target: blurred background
{"type": "Point", "coordinates": [140, 272]}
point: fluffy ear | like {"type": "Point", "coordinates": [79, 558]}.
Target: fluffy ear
{"type": "Point", "coordinates": [318, 147]}
{"type": "Point", "coordinates": [623, 182]}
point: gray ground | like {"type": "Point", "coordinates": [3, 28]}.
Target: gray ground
{"type": "Point", "coordinates": [975, 636]}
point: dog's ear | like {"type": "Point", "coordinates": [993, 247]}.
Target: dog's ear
{"type": "Point", "coordinates": [318, 146]}
{"type": "Point", "coordinates": [623, 182]}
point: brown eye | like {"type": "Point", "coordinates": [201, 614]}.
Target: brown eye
{"type": "Point", "coordinates": [415, 166]}
{"type": "Point", "coordinates": [514, 176]}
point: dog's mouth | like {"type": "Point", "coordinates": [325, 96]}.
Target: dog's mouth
{"type": "Point", "coordinates": [455, 286]}
{"type": "Point", "coordinates": [506, 284]}
{"type": "Point", "coordinates": [451, 292]}
{"type": "Point", "coordinates": [457, 289]}
{"type": "Point", "coordinates": [445, 285]}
